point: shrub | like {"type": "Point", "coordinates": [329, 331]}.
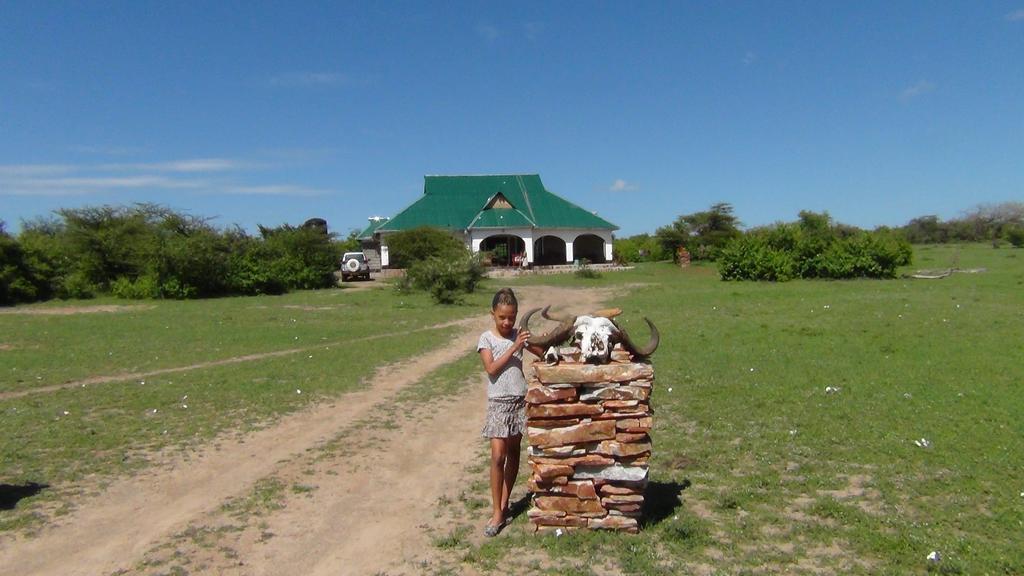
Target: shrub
{"type": "Point", "coordinates": [16, 281]}
{"type": "Point", "coordinates": [77, 285]}
{"type": "Point", "coordinates": [447, 280]}
{"type": "Point", "coordinates": [1015, 236]}
{"type": "Point", "coordinates": [584, 270]}
{"type": "Point", "coordinates": [813, 248]}
{"type": "Point", "coordinates": [408, 247]}
{"type": "Point", "coordinates": [136, 289]}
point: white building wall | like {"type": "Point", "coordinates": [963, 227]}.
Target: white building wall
{"type": "Point", "coordinates": [476, 237]}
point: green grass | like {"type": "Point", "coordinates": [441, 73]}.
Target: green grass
{"type": "Point", "coordinates": [60, 437]}
{"type": "Point", "coordinates": [771, 470]}
{"type": "Point", "coordinates": [756, 468]}
{"type": "Point", "coordinates": [45, 350]}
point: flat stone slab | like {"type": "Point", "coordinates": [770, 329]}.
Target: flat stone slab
{"type": "Point", "coordinates": [614, 472]}
{"type": "Point", "coordinates": [543, 395]}
{"type": "Point", "coordinates": [562, 410]}
{"type": "Point", "coordinates": [578, 434]}
{"type": "Point", "coordinates": [593, 373]}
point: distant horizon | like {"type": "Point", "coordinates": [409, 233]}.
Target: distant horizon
{"type": "Point", "coordinates": [15, 228]}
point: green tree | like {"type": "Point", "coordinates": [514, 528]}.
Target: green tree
{"type": "Point", "coordinates": [703, 234]}
{"type": "Point", "coordinates": [411, 246]}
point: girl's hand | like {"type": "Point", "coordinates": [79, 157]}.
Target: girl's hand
{"type": "Point", "coordinates": [521, 339]}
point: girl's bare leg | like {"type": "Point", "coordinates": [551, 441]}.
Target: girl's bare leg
{"type": "Point", "coordinates": [511, 470]}
{"type": "Point", "coordinates": [499, 456]}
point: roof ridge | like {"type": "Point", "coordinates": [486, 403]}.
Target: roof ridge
{"type": "Point", "coordinates": [522, 188]}
{"type": "Point", "coordinates": [516, 174]}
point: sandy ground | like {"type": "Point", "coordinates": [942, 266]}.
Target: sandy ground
{"type": "Point", "coordinates": [366, 508]}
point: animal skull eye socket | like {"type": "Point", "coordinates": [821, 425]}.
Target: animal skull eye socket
{"type": "Point", "coordinates": [579, 335]}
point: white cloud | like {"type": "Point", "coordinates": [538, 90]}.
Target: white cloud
{"type": "Point", "coordinates": [1016, 15]}
{"type": "Point", "coordinates": [917, 89]}
{"type": "Point", "coordinates": [184, 166]}
{"type": "Point", "coordinates": [274, 190]}
{"type": "Point", "coordinates": [24, 170]}
{"type": "Point", "coordinates": [488, 32]}
{"type": "Point", "coordinates": [309, 79]}
{"type": "Point", "coordinates": [621, 185]}
{"type": "Point", "coordinates": [198, 176]}
{"type": "Point", "coordinates": [749, 58]}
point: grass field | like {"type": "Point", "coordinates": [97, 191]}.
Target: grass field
{"type": "Point", "coordinates": [328, 342]}
{"type": "Point", "coordinates": [775, 473]}
{"type": "Point", "coordinates": [756, 467]}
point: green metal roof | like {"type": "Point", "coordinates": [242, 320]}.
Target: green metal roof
{"type": "Point", "coordinates": [461, 202]}
{"type": "Point", "coordinates": [367, 233]}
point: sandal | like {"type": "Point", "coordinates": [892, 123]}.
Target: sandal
{"type": "Point", "coordinates": [492, 530]}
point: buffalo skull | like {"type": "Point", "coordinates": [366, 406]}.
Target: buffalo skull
{"type": "Point", "coordinates": [595, 334]}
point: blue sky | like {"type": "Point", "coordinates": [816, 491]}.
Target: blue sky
{"type": "Point", "coordinates": [273, 113]}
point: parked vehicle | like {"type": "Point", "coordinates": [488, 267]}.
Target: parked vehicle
{"type": "Point", "coordinates": [354, 265]}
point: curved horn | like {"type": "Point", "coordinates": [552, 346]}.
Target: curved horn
{"type": "Point", "coordinates": [647, 350]}
{"type": "Point", "coordinates": [608, 313]}
{"type": "Point", "coordinates": [555, 317]}
{"type": "Point", "coordinates": [560, 334]}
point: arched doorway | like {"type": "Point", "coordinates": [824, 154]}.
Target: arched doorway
{"type": "Point", "coordinates": [548, 251]}
{"type": "Point", "coordinates": [504, 250]}
{"type": "Point", "coordinates": [590, 247]}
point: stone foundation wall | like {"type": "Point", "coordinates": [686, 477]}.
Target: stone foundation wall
{"type": "Point", "coordinates": [589, 447]}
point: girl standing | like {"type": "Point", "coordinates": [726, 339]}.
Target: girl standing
{"type": "Point", "coordinates": [501, 350]}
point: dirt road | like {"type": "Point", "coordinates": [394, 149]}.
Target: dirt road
{"type": "Point", "coordinates": [347, 497]}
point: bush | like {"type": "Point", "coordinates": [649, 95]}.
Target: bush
{"type": "Point", "coordinates": [584, 270]}
{"type": "Point", "coordinates": [447, 280]}
{"type": "Point", "coordinates": [138, 289]}
{"type": "Point", "coordinates": [409, 247]}
{"type": "Point", "coordinates": [639, 248]}
{"type": "Point", "coordinates": [813, 248]}
{"type": "Point", "coordinates": [1015, 236]}
{"type": "Point", "coordinates": [16, 281]}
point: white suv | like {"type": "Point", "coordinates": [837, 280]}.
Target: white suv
{"type": "Point", "coordinates": [353, 265]}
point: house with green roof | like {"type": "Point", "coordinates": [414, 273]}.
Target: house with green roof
{"type": "Point", "coordinates": [511, 217]}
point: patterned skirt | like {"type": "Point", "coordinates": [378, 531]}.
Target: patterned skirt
{"type": "Point", "coordinates": [506, 417]}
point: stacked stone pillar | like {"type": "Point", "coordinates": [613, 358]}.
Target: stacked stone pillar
{"type": "Point", "coordinates": [587, 427]}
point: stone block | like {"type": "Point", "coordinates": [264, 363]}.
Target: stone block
{"type": "Point", "coordinates": [614, 472]}
{"type": "Point", "coordinates": [594, 394]}
{"type": "Point", "coordinates": [622, 450]}
{"type": "Point", "coordinates": [569, 504]}
{"type": "Point", "coordinates": [577, 434]}
{"type": "Point", "coordinates": [544, 395]}
{"type": "Point", "coordinates": [553, 423]}
{"type": "Point", "coordinates": [585, 460]}
{"type": "Point", "coordinates": [562, 410]}
{"type": "Point", "coordinates": [609, 489]}
{"type": "Point", "coordinates": [623, 523]}
{"type": "Point", "coordinates": [593, 373]}
{"type": "Point", "coordinates": [628, 437]}
{"type": "Point", "coordinates": [548, 471]}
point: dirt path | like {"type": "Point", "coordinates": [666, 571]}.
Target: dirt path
{"type": "Point", "coordinates": [363, 509]}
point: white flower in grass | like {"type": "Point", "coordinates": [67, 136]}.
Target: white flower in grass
{"type": "Point", "coordinates": [934, 556]}
{"type": "Point", "coordinates": [831, 389]}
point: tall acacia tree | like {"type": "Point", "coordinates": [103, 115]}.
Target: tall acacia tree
{"type": "Point", "coordinates": [703, 234]}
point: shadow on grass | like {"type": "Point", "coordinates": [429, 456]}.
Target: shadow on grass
{"type": "Point", "coordinates": [661, 500]}
{"type": "Point", "coordinates": [11, 494]}
{"type": "Point", "coordinates": [515, 509]}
